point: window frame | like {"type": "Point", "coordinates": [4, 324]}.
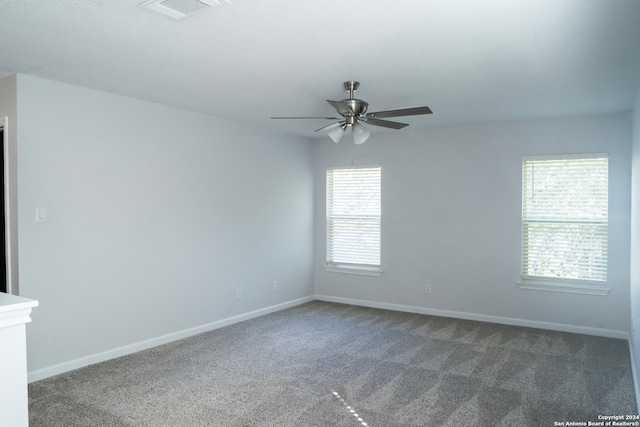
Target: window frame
{"type": "Point", "coordinates": [560, 284]}
{"type": "Point", "coordinates": [346, 267]}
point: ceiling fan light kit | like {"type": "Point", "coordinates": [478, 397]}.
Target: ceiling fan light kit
{"type": "Point", "coordinates": [354, 112]}
{"type": "Point", "coordinates": [337, 132]}
{"type": "Point", "coordinates": [360, 133]}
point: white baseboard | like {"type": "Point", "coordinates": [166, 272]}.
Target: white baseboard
{"type": "Point", "coordinates": [165, 339]}
{"type": "Point", "coordinates": [635, 374]}
{"type": "Point", "coordinates": [480, 317]}
{"type": "Point", "coordinates": [154, 342]}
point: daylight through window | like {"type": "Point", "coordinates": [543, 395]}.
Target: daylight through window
{"type": "Point", "coordinates": [565, 219]}
{"type": "Point", "coordinates": [353, 218]}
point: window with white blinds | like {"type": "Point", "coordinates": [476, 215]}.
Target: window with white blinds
{"type": "Point", "coordinates": [565, 220]}
{"type": "Point", "coordinates": [353, 218]}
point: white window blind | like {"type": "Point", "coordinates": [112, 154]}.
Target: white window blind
{"type": "Point", "coordinates": [353, 217]}
{"type": "Point", "coordinates": [565, 219]}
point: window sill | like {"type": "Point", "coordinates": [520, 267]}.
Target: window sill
{"type": "Point", "coordinates": [573, 288]}
{"type": "Point", "coordinates": [349, 269]}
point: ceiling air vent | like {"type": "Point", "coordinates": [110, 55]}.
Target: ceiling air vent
{"type": "Point", "coordinates": [178, 9]}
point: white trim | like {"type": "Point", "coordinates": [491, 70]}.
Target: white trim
{"type": "Point", "coordinates": [164, 339]}
{"type": "Point", "coordinates": [348, 269]}
{"type": "Point", "coordinates": [4, 123]}
{"type": "Point", "coordinates": [634, 374]}
{"type": "Point", "coordinates": [81, 362]}
{"type": "Point", "coordinates": [357, 166]}
{"type": "Point", "coordinates": [15, 310]}
{"type": "Point", "coordinates": [567, 156]}
{"type": "Point", "coordinates": [572, 288]}
{"type": "Point", "coordinates": [610, 333]}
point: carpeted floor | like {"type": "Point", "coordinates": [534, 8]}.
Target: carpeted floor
{"type": "Point", "coordinates": [325, 364]}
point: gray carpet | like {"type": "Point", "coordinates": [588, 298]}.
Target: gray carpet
{"type": "Point", "coordinates": [325, 364]}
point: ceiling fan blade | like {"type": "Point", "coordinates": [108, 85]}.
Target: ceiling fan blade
{"type": "Point", "coordinates": [297, 117]}
{"type": "Point", "coordinates": [384, 123]}
{"type": "Point", "coordinates": [341, 107]}
{"type": "Point", "coordinates": [413, 111]}
{"type": "Point", "coordinates": [329, 126]}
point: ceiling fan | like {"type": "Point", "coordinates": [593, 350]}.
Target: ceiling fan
{"type": "Point", "coordinates": [354, 111]}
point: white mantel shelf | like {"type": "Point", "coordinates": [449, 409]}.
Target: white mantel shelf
{"type": "Point", "coordinates": [14, 402]}
{"type": "Point", "coordinates": [15, 310]}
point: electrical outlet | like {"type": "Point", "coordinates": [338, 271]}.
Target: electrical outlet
{"type": "Point", "coordinates": [239, 293]}
{"type": "Point", "coordinates": [275, 285]}
{"type": "Point", "coordinates": [427, 288]}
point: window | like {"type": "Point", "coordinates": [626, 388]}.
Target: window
{"type": "Point", "coordinates": [564, 223]}
{"type": "Point", "coordinates": [353, 220]}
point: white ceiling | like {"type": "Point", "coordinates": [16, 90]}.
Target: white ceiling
{"type": "Point", "coordinates": [469, 60]}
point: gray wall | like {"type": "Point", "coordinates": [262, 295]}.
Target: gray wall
{"type": "Point", "coordinates": [451, 217]}
{"type": "Point", "coordinates": [635, 247]}
{"type": "Point", "coordinates": [155, 216]}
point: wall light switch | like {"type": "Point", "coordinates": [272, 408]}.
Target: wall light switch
{"type": "Point", "coordinates": [41, 215]}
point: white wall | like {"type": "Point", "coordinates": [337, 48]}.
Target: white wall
{"type": "Point", "coordinates": [451, 211]}
{"type": "Point", "coordinates": [635, 247]}
{"type": "Point", "coordinates": [155, 216]}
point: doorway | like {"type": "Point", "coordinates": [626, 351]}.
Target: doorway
{"type": "Point", "coordinates": [3, 240]}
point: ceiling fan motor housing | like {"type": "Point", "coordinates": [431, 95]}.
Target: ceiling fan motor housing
{"type": "Point", "coordinates": [358, 106]}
